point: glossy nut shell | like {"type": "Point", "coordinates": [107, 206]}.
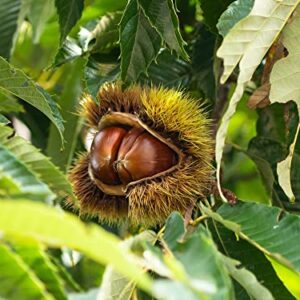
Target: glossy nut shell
{"type": "Point", "coordinates": [121, 155]}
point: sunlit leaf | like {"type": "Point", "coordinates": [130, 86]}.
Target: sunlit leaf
{"type": "Point", "coordinates": [288, 277]}
{"type": "Point", "coordinates": [284, 170]}
{"type": "Point", "coordinates": [284, 87]}
{"type": "Point", "coordinates": [23, 178]}
{"type": "Point", "coordinates": [30, 157]}
{"type": "Point", "coordinates": [246, 44]}
{"type": "Point", "coordinates": [266, 228]}
{"type": "Point", "coordinates": [285, 72]}
{"type": "Point", "coordinates": [56, 229]}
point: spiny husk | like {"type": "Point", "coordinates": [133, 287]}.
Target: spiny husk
{"type": "Point", "coordinates": [174, 116]}
{"type": "Point", "coordinates": [93, 201]}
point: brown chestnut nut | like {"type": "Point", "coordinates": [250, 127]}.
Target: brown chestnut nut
{"type": "Point", "coordinates": [104, 152]}
{"type": "Point", "coordinates": [118, 155]}
{"type": "Point", "coordinates": [143, 156]}
{"type": "Point", "coordinates": [150, 155]}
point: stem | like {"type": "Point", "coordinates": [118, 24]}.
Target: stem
{"type": "Point", "coordinates": [198, 220]}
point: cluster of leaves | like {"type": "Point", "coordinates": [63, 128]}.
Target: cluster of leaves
{"type": "Point", "coordinates": [53, 50]}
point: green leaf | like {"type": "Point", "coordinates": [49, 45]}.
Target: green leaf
{"type": "Point", "coordinates": [105, 36]}
{"type": "Point", "coordinates": [262, 167]}
{"type": "Point", "coordinates": [288, 277]}
{"type": "Point", "coordinates": [235, 12]}
{"type": "Point", "coordinates": [69, 101]}
{"type": "Point", "coordinates": [274, 125]}
{"type": "Point", "coordinates": [115, 286]}
{"type": "Point", "coordinates": [56, 229]}
{"type": "Point", "coordinates": [97, 73]}
{"type": "Point", "coordinates": [86, 272]}
{"type": "Point", "coordinates": [174, 230]}
{"type": "Point", "coordinates": [270, 150]}
{"type": "Point", "coordinates": [38, 261]}
{"type": "Point", "coordinates": [67, 277]}
{"type": "Point", "coordinates": [193, 263]}
{"type": "Point", "coordinates": [267, 228]}
{"type": "Point", "coordinates": [266, 174]}
{"type": "Point", "coordinates": [35, 162]}
{"type": "Point", "coordinates": [24, 179]}
{"type": "Point", "coordinates": [246, 44]}
{"type": "Point", "coordinates": [9, 103]}
{"type": "Point", "coordinates": [139, 41]}
{"type": "Point", "coordinates": [15, 82]}
{"type": "Point", "coordinates": [9, 15]}
{"type": "Point", "coordinates": [276, 128]}
{"type": "Point", "coordinates": [8, 186]}
{"type": "Point", "coordinates": [163, 17]}
{"type": "Point", "coordinates": [270, 230]}
{"type": "Point", "coordinates": [69, 12]}
{"type": "Point", "coordinates": [40, 11]}
{"type": "Point", "coordinates": [17, 281]}
{"type": "Point", "coordinates": [168, 71]}
{"type": "Point", "coordinates": [250, 258]}
{"type": "Point", "coordinates": [69, 51]}
{"type": "Point", "coordinates": [206, 266]}
{"type": "Point", "coordinates": [4, 120]}
{"type": "Point", "coordinates": [246, 279]}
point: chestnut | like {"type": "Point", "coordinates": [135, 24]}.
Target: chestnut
{"type": "Point", "coordinates": [142, 155]}
{"type": "Point", "coordinates": [150, 155]}
{"type": "Point", "coordinates": [104, 152]}
{"type": "Point", "coordinates": [118, 155]}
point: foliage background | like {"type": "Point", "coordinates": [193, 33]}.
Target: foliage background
{"type": "Point", "coordinates": [241, 56]}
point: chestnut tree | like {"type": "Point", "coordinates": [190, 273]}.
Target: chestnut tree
{"type": "Point", "coordinates": [237, 61]}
